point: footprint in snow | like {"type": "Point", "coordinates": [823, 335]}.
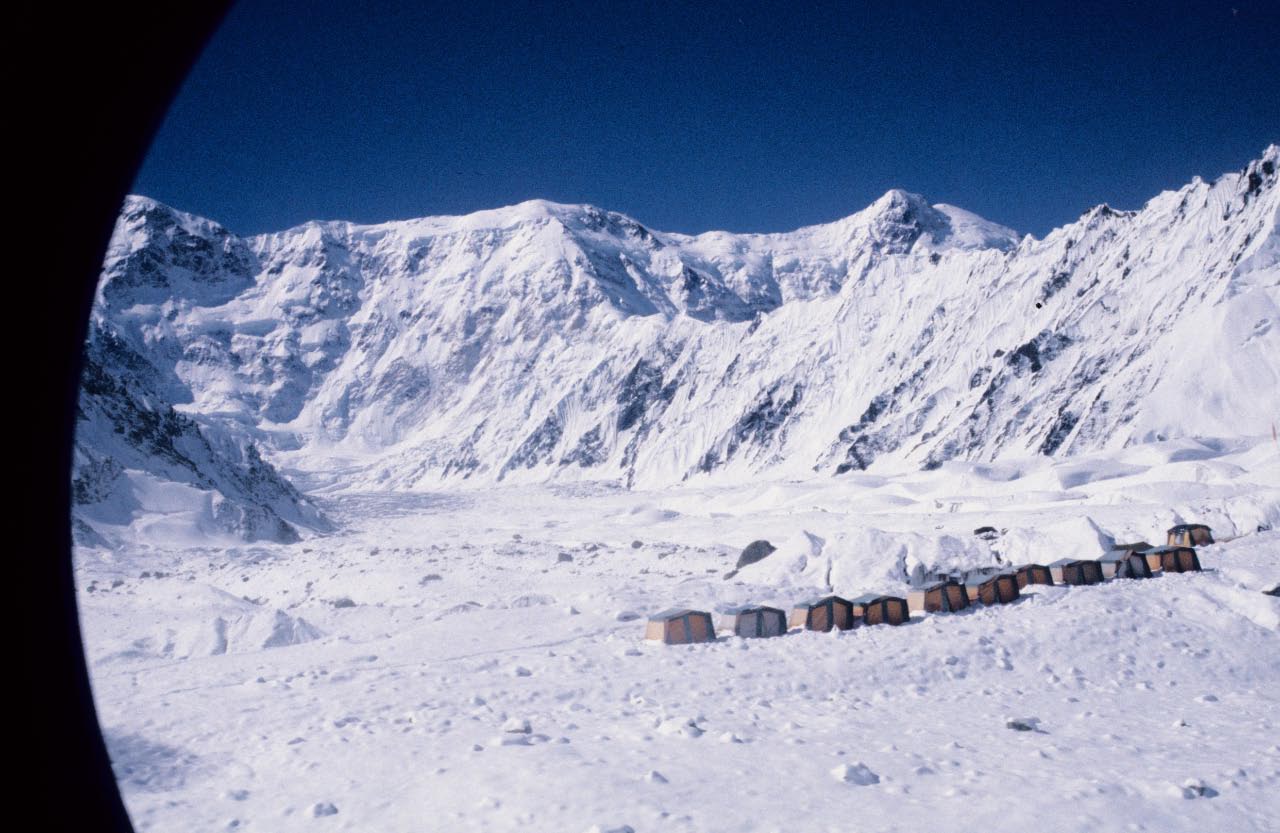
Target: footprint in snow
{"type": "Point", "coordinates": [1024, 724]}
{"type": "Point", "coordinates": [514, 739]}
{"type": "Point", "coordinates": [1192, 788]}
{"type": "Point", "coordinates": [532, 600]}
{"type": "Point", "coordinates": [517, 725]}
{"type": "Point", "coordinates": [685, 726]}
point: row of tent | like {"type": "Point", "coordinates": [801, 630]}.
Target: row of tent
{"type": "Point", "coordinates": [950, 593]}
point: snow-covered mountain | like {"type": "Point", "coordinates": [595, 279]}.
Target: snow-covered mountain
{"type": "Point", "coordinates": [561, 342]}
{"type": "Point", "coordinates": [137, 458]}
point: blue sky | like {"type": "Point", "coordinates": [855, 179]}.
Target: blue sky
{"type": "Point", "coordinates": [741, 116]}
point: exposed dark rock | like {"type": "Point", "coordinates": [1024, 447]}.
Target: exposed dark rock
{"type": "Point", "coordinates": [590, 450]}
{"type": "Point", "coordinates": [1031, 356]}
{"type": "Point", "coordinates": [641, 388]}
{"type": "Point", "coordinates": [134, 427]}
{"type": "Point", "coordinates": [1059, 432]}
{"type": "Point", "coordinates": [538, 446]}
{"type": "Point", "coordinates": [755, 551]}
{"type": "Point", "coordinates": [756, 426]}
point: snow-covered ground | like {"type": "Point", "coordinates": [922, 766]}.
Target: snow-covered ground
{"type": "Point", "coordinates": [473, 660]}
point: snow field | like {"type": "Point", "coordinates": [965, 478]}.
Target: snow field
{"type": "Point", "coordinates": [475, 662]}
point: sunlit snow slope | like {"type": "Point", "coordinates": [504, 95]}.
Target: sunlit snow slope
{"type": "Point", "coordinates": [556, 342]}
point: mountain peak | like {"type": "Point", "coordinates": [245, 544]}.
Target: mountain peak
{"type": "Point", "coordinates": [901, 220]}
{"type": "Point", "coordinates": [540, 209]}
{"type": "Point", "coordinates": [897, 198]}
{"type": "Point", "coordinates": [1264, 169]}
{"type": "Point", "coordinates": [139, 209]}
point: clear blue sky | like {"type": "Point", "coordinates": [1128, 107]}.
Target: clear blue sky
{"type": "Point", "coordinates": [741, 116]}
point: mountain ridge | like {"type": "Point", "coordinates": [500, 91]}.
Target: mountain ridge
{"type": "Point", "coordinates": [551, 342]}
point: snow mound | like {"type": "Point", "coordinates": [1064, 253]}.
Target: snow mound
{"type": "Point", "coordinates": [205, 621]}
{"type": "Point", "coordinates": [796, 563]}
{"type": "Point", "coordinates": [872, 559]}
{"type": "Point", "coordinates": [1072, 538]}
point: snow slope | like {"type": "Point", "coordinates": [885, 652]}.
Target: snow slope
{"type": "Point", "coordinates": [143, 468]}
{"type": "Point", "coordinates": [480, 663]}
{"type": "Point", "coordinates": [545, 342]}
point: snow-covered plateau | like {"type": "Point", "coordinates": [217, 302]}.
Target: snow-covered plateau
{"type": "Point", "coordinates": [369, 519]}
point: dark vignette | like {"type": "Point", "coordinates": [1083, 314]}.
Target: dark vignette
{"type": "Point", "coordinates": [93, 85]}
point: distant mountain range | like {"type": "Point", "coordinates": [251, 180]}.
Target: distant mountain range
{"type": "Point", "coordinates": [545, 342]}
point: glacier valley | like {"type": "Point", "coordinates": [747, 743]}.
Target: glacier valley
{"type": "Point", "coordinates": [369, 518]}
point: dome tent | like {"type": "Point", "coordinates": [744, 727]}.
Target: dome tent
{"type": "Point", "coordinates": [1176, 559]}
{"type": "Point", "coordinates": [874, 609]}
{"type": "Point", "coordinates": [822, 614]}
{"type": "Point", "coordinates": [1033, 574]}
{"type": "Point", "coordinates": [939, 597]}
{"type": "Point", "coordinates": [752, 621]}
{"type": "Point", "coordinates": [1190, 535]}
{"type": "Point", "coordinates": [1124, 563]}
{"type": "Point", "coordinates": [1000, 588]}
{"type": "Point", "coordinates": [680, 626]}
{"type": "Point", "coordinates": [1076, 571]}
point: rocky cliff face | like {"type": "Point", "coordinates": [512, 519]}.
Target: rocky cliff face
{"type": "Point", "coordinates": [555, 342]}
{"type": "Point", "coordinates": [137, 455]}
